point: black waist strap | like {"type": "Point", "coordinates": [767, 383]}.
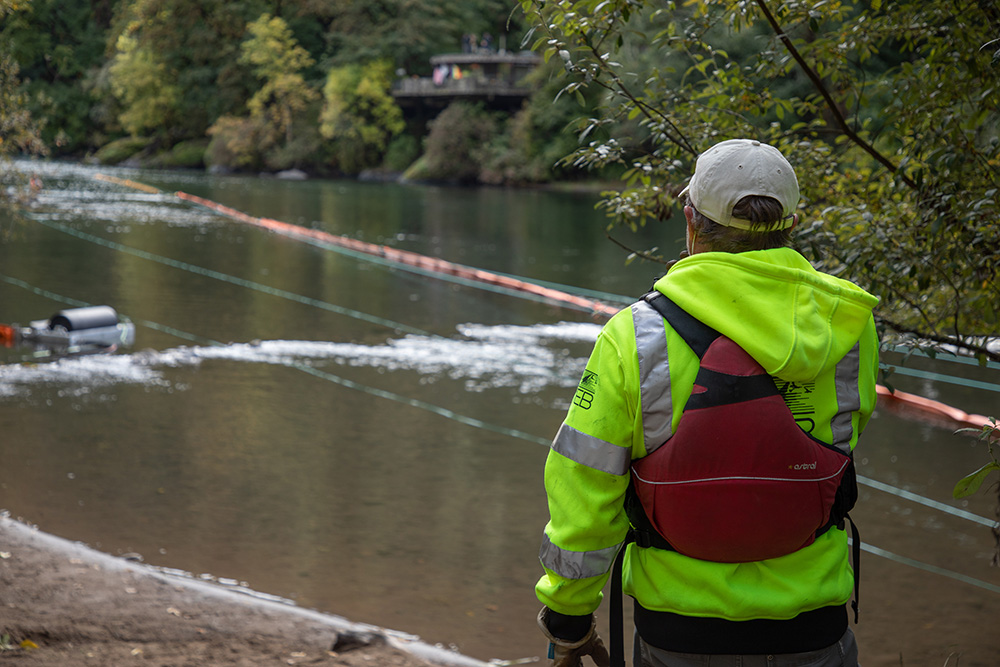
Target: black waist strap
{"type": "Point", "coordinates": [688, 634]}
{"type": "Point", "coordinates": [616, 621]}
{"type": "Point", "coordinates": [809, 631]}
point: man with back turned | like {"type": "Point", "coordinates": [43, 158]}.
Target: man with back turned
{"type": "Point", "coordinates": [712, 434]}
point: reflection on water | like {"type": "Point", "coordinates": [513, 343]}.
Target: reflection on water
{"type": "Point", "coordinates": [369, 441]}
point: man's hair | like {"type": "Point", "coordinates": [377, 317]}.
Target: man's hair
{"type": "Point", "coordinates": [764, 212]}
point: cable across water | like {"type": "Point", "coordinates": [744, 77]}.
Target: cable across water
{"type": "Point", "coordinates": [476, 423]}
{"type": "Point", "coordinates": [446, 412]}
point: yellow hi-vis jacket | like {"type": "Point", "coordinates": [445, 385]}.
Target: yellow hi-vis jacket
{"type": "Point", "coordinates": [812, 332]}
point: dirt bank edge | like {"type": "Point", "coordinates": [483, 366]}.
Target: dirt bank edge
{"type": "Point", "coordinates": [74, 601]}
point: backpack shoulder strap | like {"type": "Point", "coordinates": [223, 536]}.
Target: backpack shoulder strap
{"type": "Point", "coordinates": [695, 333]}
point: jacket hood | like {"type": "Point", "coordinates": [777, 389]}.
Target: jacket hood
{"type": "Point", "coordinates": [795, 321]}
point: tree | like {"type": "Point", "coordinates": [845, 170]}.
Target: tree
{"type": "Point", "coordinates": [267, 136]}
{"type": "Point", "coordinates": [19, 133]}
{"type": "Point", "coordinates": [145, 87]}
{"type": "Point", "coordinates": [544, 131]}
{"type": "Point", "coordinates": [168, 70]}
{"type": "Point", "coordinates": [409, 32]}
{"type": "Point", "coordinates": [277, 58]}
{"type": "Point", "coordinates": [18, 130]}
{"type": "Point", "coordinates": [359, 115]}
{"type": "Point", "coordinates": [186, 52]}
{"type": "Point", "coordinates": [58, 45]}
{"type": "Point", "coordinates": [890, 112]}
{"type": "Point", "coordinates": [458, 143]}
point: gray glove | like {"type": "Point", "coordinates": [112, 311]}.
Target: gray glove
{"type": "Point", "coordinates": [570, 654]}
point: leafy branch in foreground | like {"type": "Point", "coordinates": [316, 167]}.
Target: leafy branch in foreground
{"type": "Point", "coordinates": [969, 484]}
{"type": "Point", "coordinates": [990, 433]}
{"type": "Point", "coordinates": [890, 112]}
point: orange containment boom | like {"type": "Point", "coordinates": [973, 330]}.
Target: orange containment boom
{"type": "Point", "coordinates": [408, 258]}
{"type": "Point", "coordinates": [128, 183]}
{"type": "Point", "coordinates": [900, 402]}
{"type": "Point", "coordinates": [925, 409]}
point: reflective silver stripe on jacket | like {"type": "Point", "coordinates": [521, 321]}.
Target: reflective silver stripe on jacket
{"type": "Point", "coordinates": [577, 564]}
{"type": "Point", "coordinates": [848, 398]}
{"type": "Point", "coordinates": [592, 452]}
{"type": "Point", "coordinates": [654, 375]}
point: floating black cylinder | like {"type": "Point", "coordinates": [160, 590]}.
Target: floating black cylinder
{"type": "Point", "coordinates": [78, 319]}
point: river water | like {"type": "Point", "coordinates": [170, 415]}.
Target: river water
{"type": "Point", "coordinates": [367, 440]}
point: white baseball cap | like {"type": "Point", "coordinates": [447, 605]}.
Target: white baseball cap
{"type": "Point", "coordinates": [729, 171]}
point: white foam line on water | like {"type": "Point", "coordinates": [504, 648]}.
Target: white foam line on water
{"type": "Point", "coordinates": [529, 358]}
{"type": "Point", "coordinates": [582, 332]}
{"type": "Point", "coordinates": [78, 374]}
{"type": "Point", "coordinates": [66, 199]}
{"type": "Point", "coordinates": [132, 209]}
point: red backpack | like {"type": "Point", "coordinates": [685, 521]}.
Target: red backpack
{"type": "Point", "coordinates": [738, 481]}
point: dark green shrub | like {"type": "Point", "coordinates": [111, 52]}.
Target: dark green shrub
{"type": "Point", "coordinates": [186, 154]}
{"type": "Point", "coordinates": [401, 153]}
{"type": "Point", "coordinates": [455, 146]}
{"type": "Point", "coordinates": [122, 149]}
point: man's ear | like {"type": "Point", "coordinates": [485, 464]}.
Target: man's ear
{"type": "Point", "coordinates": [690, 233]}
{"type": "Point", "coordinates": [795, 221]}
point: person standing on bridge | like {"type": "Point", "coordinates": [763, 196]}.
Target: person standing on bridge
{"type": "Point", "coordinates": [710, 441]}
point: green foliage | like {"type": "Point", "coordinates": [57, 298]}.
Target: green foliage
{"type": "Point", "coordinates": [544, 132]}
{"type": "Point", "coordinates": [889, 111]}
{"type": "Point", "coordinates": [119, 150]}
{"type": "Point", "coordinates": [990, 434]}
{"type": "Point", "coordinates": [57, 44]}
{"type": "Point", "coordinates": [401, 153]}
{"type": "Point", "coordinates": [268, 137]}
{"type": "Point", "coordinates": [304, 148]}
{"type": "Point", "coordinates": [188, 154]}
{"type": "Point", "coordinates": [409, 32]}
{"type": "Point", "coordinates": [171, 69]}
{"type": "Point", "coordinates": [455, 148]}
{"type": "Point", "coordinates": [236, 143]}
{"type": "Point", "coordinates": [417, 171]}
{"type": "Point", "coordinates": [971, 483]}
{"type": "Point", "coordinates": [18, 131]}
{"type": "Point", "coordinates": [195, 46]}
{"type": "Point", "coordinates": [359, 115]}
{"type": "Point", "coordinates": [144, 85]}
{"type": "Point", "coordinates": [272, 50]}
{"type": "Point", "coordinates": [277, 58]}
